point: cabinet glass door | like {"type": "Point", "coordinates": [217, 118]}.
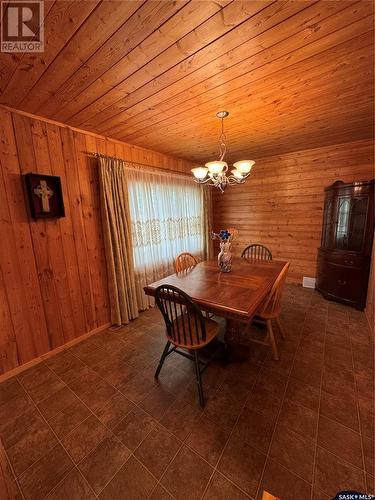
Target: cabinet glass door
{"type": "Point", "coordinates": [357, 225]}
{"type": "Point", "coordinates": [342, 223]}
{"type": "Point", "coordinates": [328, 224]}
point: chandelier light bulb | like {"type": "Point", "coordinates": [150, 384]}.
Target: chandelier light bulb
{"type": "Point", "coordinates": [237, 173]}
{"type": "Point", "coordinates": [200, 172]}
{"type": "Point", "coordinates": [244, 166]}
{"type": "Point", "coordinates": [216, 167]}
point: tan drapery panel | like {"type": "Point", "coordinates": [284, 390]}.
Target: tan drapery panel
{"type": "Point", "coordinates": [208, 216]}
{"type": "Point", "coordinates": [114, 203]}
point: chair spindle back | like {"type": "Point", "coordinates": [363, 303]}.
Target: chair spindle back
{"type": "Point", "coordinates": [184, 261]}
{"type": "Point", "coordinates": [272, 302]}
{"type": "Point", "coordinates": [184, 320]}
{"type": "Point", "coordinates": [256, 252]}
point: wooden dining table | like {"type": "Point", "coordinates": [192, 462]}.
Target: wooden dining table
{"type": "Point", "coordinates": [236, 295]}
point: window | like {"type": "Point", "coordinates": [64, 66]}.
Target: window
{"type": "Point", "coordinates": [167, 216]}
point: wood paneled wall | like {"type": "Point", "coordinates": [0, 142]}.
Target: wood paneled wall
{"type": "Point", "coordinates": [280, 205]}
{"type": "Point", "coordinates": [53, 283]}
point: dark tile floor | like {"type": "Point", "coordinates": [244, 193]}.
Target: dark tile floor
{"type": "Point", "coordinates": [91, 422]}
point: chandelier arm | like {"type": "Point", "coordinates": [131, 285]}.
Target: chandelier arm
{"type": "Point", "coordinates": [233, 180]}
{"type": "Point", "coordinates": [203, 181]}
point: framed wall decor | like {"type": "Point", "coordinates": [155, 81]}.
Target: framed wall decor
{"type": "Point", "coordinates": [45, 196]}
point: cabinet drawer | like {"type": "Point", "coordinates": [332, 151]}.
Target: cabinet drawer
{"type": "Point", "coordinates": [340, 281]}
{"type": "Point", "coordinates": [344, 259]}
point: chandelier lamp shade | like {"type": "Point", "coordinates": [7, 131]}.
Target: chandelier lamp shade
{"type": "Point", "coordinates": [215, 173]}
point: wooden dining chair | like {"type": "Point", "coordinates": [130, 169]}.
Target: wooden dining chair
{"type": "Point", "coordinates": [256, 252]}
{"type": "Point", "coordinates": [186, 328]}
{"type": "Point", "coordinates": [270, 310]}
{"type": "Point", "coordinates": [184, 260]}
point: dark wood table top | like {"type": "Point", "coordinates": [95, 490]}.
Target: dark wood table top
{"type": "Point", "coordinates": [236, 294]}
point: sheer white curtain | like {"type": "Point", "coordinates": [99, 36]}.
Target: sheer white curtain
{"type": "Point", "coordinates": [167, 218]}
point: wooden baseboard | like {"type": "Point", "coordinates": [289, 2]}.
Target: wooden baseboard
{"type": "Point", "coordinates": [49, 354]}
{"type": "Point", "coordinates": [294, 281]}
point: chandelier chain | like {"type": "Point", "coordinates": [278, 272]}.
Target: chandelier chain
{"type": "Point", "coordinates": [222, 141]}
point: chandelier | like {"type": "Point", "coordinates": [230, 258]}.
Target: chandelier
{"type": "Point", "coordinates": [215, 172]}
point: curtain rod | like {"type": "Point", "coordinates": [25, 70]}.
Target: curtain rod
{"type": "Point", "coordinates": [101, 155]}
{"type": "Point", "coordinates": [166, 170]}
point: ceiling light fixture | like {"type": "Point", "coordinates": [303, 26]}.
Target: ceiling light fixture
{"type": "Point", "coordinates": [215, 172]}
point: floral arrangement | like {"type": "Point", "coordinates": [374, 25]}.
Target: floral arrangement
{"type": "Point", "coordinates": [226, 235]}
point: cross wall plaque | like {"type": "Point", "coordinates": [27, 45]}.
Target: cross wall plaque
{"type": "Point", "coordinates": [45, 196]}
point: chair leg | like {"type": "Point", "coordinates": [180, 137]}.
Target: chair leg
{"type": "Point", "coordinates": [281, 328]}
{"type": "Point", "coordinates": [162, 359]}
{"type": "Point", "coordinates": [198, 376]}
{"type": "Point", "coordinates": [271, 338]}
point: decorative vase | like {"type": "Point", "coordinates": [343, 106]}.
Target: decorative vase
{"type": "Point", "coordinates": [224, 259]}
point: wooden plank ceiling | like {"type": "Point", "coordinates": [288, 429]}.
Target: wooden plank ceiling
{"type": "Point", "coordinates": [293, 74]}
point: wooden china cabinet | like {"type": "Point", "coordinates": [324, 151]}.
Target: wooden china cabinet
{"type": "Point", "coordinates": [345, 254]}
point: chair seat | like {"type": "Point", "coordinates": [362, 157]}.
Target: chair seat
{"type": "Point", "coordinates": [212, 329]}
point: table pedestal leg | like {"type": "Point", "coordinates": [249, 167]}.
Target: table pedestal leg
{"type": "Point", "coordinates": [237, 351]}
{"type": "Point", "coordinates": [231, 332]}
